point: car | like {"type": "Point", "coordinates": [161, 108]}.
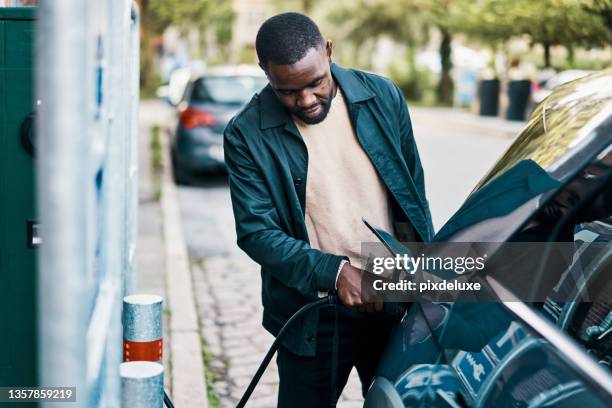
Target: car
{"type": "Point", "coordinates": [209, 102]}
{"type": "Point", "coordinates": [540, 335]}
{"type": "Point", "coordinates": [173, 91]}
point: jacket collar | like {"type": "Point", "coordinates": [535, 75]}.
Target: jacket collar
{"type": "Point", "coordinates": [273, 113]}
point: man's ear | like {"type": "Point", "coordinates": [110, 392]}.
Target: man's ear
{"type": "Point", "coordinates": [263, 68]}
{"type": "Point", "coordinates": [328, 49]}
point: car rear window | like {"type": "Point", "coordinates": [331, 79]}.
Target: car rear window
{"type": "Point", "coordinates": [233, 90]}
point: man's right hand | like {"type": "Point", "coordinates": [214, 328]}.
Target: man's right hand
{"type": "Point", "coordinates": [349, 290]}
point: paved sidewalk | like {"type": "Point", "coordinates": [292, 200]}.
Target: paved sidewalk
{"type": "Point", "coordinates": [482, 125]}
{"type": "Point", "coordinates": [164, 268]}
{"type": "Point", "coordinates": [151, 260]}
{"type": "Point", "coordinates": [228, 293]}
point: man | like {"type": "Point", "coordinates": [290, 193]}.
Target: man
{"type": "Point", "coordinates": [318, 149]}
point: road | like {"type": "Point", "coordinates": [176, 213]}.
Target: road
{"type": "Point", "coordinates": [455, 154]}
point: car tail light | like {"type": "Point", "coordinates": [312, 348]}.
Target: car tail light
{"type": "Point", "coordinates": [192, 118]}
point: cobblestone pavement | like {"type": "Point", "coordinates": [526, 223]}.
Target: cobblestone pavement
{"type": "Point", "coordinates": [227, 286]}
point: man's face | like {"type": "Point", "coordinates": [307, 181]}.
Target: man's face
{"type": "Point", "coordinates": [306, 87]}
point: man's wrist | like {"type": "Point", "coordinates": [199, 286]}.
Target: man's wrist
{"type": "Point", "coordinates": [322, 294]}
{"type": "Point", "coordinates": [342, 263]}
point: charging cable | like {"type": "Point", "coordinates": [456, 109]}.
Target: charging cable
{"type": "Point", "coordinates": [329, 301]}
{"type": "Point", "coordinates": [167, 401]}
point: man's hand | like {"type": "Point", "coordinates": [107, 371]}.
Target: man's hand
{"type": "Point", "coordinates": [350, 292]}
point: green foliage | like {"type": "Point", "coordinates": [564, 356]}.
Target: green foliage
{"type": "Point", "coordinates": [548, 22]}
{"type": "Point", "coordinates": [602, 9]}
{"type": "Point", "coordinates": [485, 21]}
{"type": "Point", "coordinates": [417, 85]}
{"type": "Point", "coordinates": [214, 15]}
{"type": "Point", "coordinates": [303, 6]}
{"type": "Point", "coordinates": [150, 79]}
{"type": "Point", "coordinates": [157, 162]}
{"type": "Point", "coordinates": [366, 19]}
{"type": "Point", "coordinates": [407, 22]}
{"type": "Point", "coordinates": [207, 16]}
{"type": "Point", "coordinates": [248, 55]}
{"type": "Point", "coordinates": [445, 87]}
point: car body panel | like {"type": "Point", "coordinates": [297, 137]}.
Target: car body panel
{"type": "Point", "coordinates": [497, 359]}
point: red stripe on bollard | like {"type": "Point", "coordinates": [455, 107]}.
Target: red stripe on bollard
{"type": "Point", "coordinates": [143, 350]}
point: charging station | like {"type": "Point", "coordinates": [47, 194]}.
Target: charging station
{"type": "Point", "coordinates": [18, 220]}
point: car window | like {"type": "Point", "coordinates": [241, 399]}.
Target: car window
{"type": "Point", "coordinates": [560, 139]}
{"type": "Point", "coordinates": [557, 125]}
{"type": "Point", "coordinates": [233, 90]}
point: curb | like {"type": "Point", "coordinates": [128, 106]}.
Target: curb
{"type": "Point", "coordinates": [187, 368]}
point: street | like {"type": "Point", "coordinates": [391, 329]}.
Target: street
{"type": "Point", "coordinates": [455, 155]}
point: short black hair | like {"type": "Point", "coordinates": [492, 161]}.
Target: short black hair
{"type": "Point", "coordinates": [286, 38]}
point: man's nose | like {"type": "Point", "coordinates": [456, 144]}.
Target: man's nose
{"type": "Point", "coordinates": [305, 99]}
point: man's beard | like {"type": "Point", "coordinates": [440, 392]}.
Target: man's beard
{"type": "Point", "coordinates": [325, 107]}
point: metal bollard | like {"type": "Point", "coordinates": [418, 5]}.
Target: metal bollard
{"type": "Point", "coordinates": [142, 384]}
{"type": "Point", "coordinates": [142, 328]}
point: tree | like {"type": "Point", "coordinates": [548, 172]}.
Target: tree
{"type": "Point", "coordinates": [207, 16]}
{"type": "Point", "coordinates": [547, 22]}
{"type": "Point", "coordinates": [408, 22]}
{"type": "Point", "coordinates": [602, 9]}
{"type": "Point", "coordinates": [365, 21]}
{"type": "Point", "coordinates": [439, 14]}
{"type": "Point", "coordinates": [148, 26]}
{"type": "Point", "coordinates": [484, 21]}
{"type": "Point", "coordinates": [214, 16]}
{"type": "Point", "coordinates": [559, 22]}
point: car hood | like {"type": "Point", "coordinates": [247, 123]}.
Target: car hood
{"type": "Point", "coordinates": [563, 135]}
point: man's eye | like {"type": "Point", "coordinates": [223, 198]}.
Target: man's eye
{"type": "Point", "coordinates": [285, 93]}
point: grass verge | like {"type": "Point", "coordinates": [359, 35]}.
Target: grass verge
{"type": "Point", "coordinates": [210, 377]}
{"type": "Point", "coordinates": [157, 163]}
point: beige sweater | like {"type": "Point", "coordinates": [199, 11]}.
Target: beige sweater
{"type": "Point", "coordinates": [342, 186]}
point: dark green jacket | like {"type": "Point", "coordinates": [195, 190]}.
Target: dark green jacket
{"type": "Point", "coordinates": [267, 162]}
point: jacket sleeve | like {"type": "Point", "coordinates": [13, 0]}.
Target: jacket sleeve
{"type": "Point", "coordinates": [411, 154]}
{"type": "Point", "coordinates": [259, 233]}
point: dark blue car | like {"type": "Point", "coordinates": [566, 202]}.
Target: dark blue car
{"type": "Point", "coordinates": [553, 349]}
{"type": "Point", "coordinates": [208, 104]}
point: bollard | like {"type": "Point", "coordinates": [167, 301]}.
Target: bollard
{"type": "Point", "coordinates": [142, 384]}
{"type": "Point", "coordinates": [142, 328]}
